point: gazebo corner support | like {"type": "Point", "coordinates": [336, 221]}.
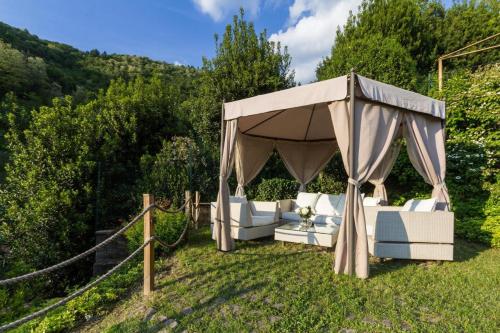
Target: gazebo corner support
{"type": "Point", "coordinates": [219, 229]}
{"type": "Point", "coordinates": [351, 189]}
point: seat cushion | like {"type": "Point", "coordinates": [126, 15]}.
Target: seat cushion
{"type": "Point", "coordinates": [326, 219]}
{"type": "Point", "coordinates": [326, 204]}
{"type": "Point", "coordinates": [339, 209]}
{"type": "Point", "coordinates": [261, 220]}
{"type": "Point", "coordinates": [290, 216]}
{"type": "Point", "coordinates": [414, 205]}
{"type": "Point", "coordinates": [371, 201]}
{"type": "Point", "coordinates": [305, 199]}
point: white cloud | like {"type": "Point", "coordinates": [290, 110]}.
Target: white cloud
{"type": "Point", "coordinates": [219, 9]}
{"type": "Point", "coordinates": [311, 30]}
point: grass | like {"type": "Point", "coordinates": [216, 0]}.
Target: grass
{"type": "Point", "coordinates": [266, 287]}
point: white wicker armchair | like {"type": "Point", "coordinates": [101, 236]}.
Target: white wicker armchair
{"type": "Point", "coordinates": [393, 233]}
{"type": "Point", "coordinates": [251, 219]}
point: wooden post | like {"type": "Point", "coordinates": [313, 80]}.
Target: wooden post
{"type": "Point", "coordinates": [149, 254]}
{"type": "Point", "coordinates": [440, 73]}
{"type": "Point", "coordinates": [350, 222]}
{"type": "Point", "coordinates": [196, 208]}
{"type": "Point", "coordinates": [189, 204]}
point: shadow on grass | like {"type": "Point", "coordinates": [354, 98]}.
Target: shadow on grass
{"type": "Point", "coordinates": [462, 251]}
{"type": "Point", "coordinates": [256, 258]}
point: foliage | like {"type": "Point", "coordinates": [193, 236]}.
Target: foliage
{"type": "Point", "coordinates": [326, 183]}
{"type": "Point", "coordinates": [392, 27]}
{"type": "Point", "coordinates": [168, 228]}
{"type": "Point", "coordinates": [276, 189]}
{"type": "Point", "coordinates": [466, 22]}
{"type": "Point", "coordinates": [47, 202]}
{"type": "Point", "coordinates": [178, 166]}
{"type": "Point", "coordinates": [92, 303]}
{"type": "Point", "coordinates": [133, 119]}
{"type": "Point", "coordinates": [377, 57]}
{"type": "Point", "coordinates": [59, 69]}
{"type": "Point", "coordinates": [20, 73]}
{"type": "Point", "coordinates": [473, 149]}
{"type": "Point", "coordinates": [424, 29]}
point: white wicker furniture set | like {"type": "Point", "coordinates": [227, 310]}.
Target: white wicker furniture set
{"type": "Point", "coordinates": [413, 231]}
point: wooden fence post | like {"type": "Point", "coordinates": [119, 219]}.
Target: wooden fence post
{"type": "Point", "coordinates": [189, 204]}
{"type": "Point", "coordinates": [149, 251]}
{"type": "Point", "coordinates": [440, 74]}
{"type": "Point", "coordinates": [197, 209]}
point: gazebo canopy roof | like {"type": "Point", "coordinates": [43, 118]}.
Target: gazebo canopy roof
{"type": "Point", "coordinates": [302, 114]}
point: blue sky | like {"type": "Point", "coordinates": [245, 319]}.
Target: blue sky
{"type": "Point", "coordinates": [181, 31]}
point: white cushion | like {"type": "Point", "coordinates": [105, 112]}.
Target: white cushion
{"type": "Point", "coordinates": [306, 199]}
{"type": "Point", "coordinates": [326, 219]}
{"type": "Point", "coordinates": [233, 199]}
{"type": "Point", "coordinates": [369, 230]}
{"type": "Point", "coordinates": [414, 205]}
{"type": "Point", "coordinates": [371, 201]}
{"type": "Point", "coordinates": [326, 204]}
{"type": "Point", "coordinates": [339, 209]}
{"type": "Point", "coordinates": [261, 220]}
{"type": "Point", "coordinates": [290, 216]}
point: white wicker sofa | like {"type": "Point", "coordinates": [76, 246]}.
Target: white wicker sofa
{"type": "Point", "coordinates": [328, 207]}
{"type": "Point", "coordinates": [250, 219]}
{"type": "Point", "coordinates": [394, 232]}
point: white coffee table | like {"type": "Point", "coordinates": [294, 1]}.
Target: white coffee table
{"type": "Point", "coordinates": [321, 234]}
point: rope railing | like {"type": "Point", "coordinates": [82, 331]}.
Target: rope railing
{"type": "Point", "coordinates": [75, 294]}
{"type": "Point", "coordinates": [148, 257]}
{"type": "Point", "coordinates": [88, 252]}
{"type": "Point", "coordinates": [79, 256]}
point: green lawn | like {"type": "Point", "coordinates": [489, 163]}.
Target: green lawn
{"type": "Point", "coordinates": [266, 287]}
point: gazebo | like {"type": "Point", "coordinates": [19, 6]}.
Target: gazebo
{"type": "Point", "coordinates": [308, 124]}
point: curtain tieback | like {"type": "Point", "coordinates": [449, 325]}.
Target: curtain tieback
{"type": "Point", "coordinates": [440, 185]}
{"type": "Point", "coordinates": [354, 182]}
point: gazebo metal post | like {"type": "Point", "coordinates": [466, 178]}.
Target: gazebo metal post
{"type": "Point", "coordinates": [219, 229]}
{"type": "Point", "coordinates": [350, 222]}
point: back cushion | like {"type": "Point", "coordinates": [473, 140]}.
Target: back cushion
{"type": "Point", "coordinates": [339, 209]}
{"type": "Point", "coordinates": [242, 199]}
{"type": "Point", "coordinates": [414, 205]}
{"type": "Point", "coordinates": [371, 201]}
{"type": "Point", "coordinates": [326, 204]}
{"type": "Point", "coordinates": [306, 199]}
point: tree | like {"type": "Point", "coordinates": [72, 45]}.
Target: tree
{"type": "Point", "coordinates": [47, 198]}
{"type": "Point", "coordinates": [467, 22]}
{"type": "Point", "coordinates": [19, 73]}
{"type": "Point", "coordinates": [245, 65]}
{"type": "Point", "coordinates": [374, 56]}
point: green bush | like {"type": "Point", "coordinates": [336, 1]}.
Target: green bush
{"type": "Point", "coordinates": [168, 228]}
{"type": "Point", "coordinates": [276, 189]}
{"type": "Point", "coordinates": [92, 303]}
{"type": "Point", "coordinates": [325, 183]}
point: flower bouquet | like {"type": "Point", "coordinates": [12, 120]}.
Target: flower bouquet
{"type": "Point", "coordinates": [305, 214]}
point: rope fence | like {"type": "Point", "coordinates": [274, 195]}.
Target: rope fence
{"type": "Point", "coordinates": [77, 293]}
{"type": "Point", "coordinates": [77, 257]}
{"type": "Point", "coordinates": [147, 246]}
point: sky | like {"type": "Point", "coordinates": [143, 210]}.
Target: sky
{"type": "Point", "coordinates": [182, 31]}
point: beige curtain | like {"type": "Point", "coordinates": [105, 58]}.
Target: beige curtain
{"type": "Point", "coordinates": [381, 173]}
{"type": "Point", "coordinates": [304, 160]}
{"type": "Point", "coordinates": [424, 137]}
{"type": "Point", "coordinates": [251, 155]}
{"type": "Point", "coordinates": [222, 221]}
{"type": "Point", "coordinates": [375, 128]}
